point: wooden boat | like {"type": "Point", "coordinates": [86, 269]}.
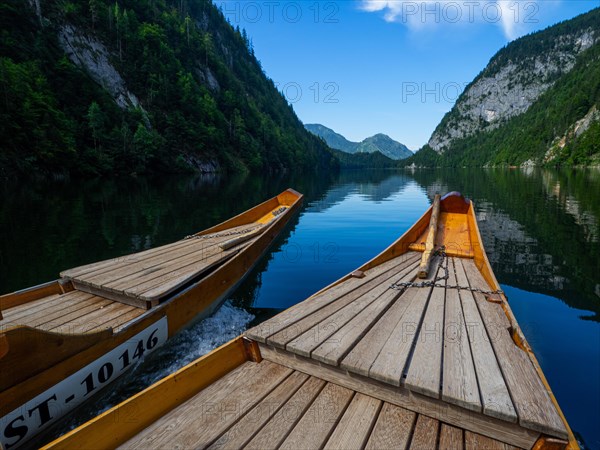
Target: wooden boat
{"type": "Point", "coordinates": [378, 359]}
{"type": "Point", "coordinates": [61, 342]}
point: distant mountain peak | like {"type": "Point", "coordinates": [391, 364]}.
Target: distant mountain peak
{"type": "Point", "coordinates": [380, 142]}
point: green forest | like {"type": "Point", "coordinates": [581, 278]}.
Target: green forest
{"type": "Point", "coordinates": [203, 96]}
{"type": "Point", "coordinates": [530, 135]}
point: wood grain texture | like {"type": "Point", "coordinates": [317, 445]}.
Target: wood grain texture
{"type": "Point", "coordinates": [531, 400]}
{"type": "Point", "coordinates": [311, 331]}
{"type": "Point", "coordinates": [423, 271]}
{"type": "Point", "coordinates": [355, 426]}
{"type": "Point", "coordinates": [474, 441]}
{"type": "Point", "coordinates": [494, 392]}
{"type": "Point", "coordinates": [335, 347]}
{"type": "Point", "coordinates": [202, 419]}
{"type": "Point", "coordinates": [244, 430]}
{"type": "Point", "coordinates": [320, 419]}
{"type": "Point", "coordinates": [425, 435]}
{"type": "Point", "coordinates": [451, 438]}
{"type": "Point", "coordinates": [292, 315]}
{"type": "Point", "coordinates": [400, 396]}
{"type": "Point", "coordinates": [389, 365]}
{"type": "Point", "coordinates": [459, 379]}
{"type": "Point", "coordinates": [393, 428]}
{"type": "Point", "coordinates": [272, 434]}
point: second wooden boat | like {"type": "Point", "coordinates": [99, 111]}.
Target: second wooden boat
{"type": "Point", "coordinates": [61, 342]}
{"type": "Point", "coordinates": [418, 348]}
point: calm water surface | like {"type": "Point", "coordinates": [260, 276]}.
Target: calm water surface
{"type": "Point", "coordinates": [541, 231]}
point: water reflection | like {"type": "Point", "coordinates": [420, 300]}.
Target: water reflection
{"type": "Point", "coordinates": [540, 228]}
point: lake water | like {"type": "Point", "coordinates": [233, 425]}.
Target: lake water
{"type": "Point", "coordinates": [541, 230]}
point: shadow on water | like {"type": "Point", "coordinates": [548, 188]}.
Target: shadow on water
{"type": "Point", "coordinates": [541, 230]}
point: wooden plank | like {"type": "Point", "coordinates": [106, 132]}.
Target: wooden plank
{"type": "Point", "coordinates": [203, 418]}
{"type": "Point", "coordinates": [389, 365]}
{"type": "Point", "coordinates": [425, 436]}
{"type": "Point", "coordinates": [474, 441]}
{"type": "Point", "coordinates": [117, 297]}
{"type": "Point", "coordinates": [244, 430]}
{"type": "Point", "coordinates": [356, 424]}
{"type": "Point", "coordinates": [301, 310]}
{"type": "Point", "coordinates": [93, 320]}
{"type": "Point", "coordinates": [316, 424]}
{"type": "Point", "coordinates": [24, 296]}
{"type": "Point", "coordinates": [492, 387]}
{"type": "Point", "coordinates": [531, 400]}
{"type": "Point", "coordinates": [323, 316]}
{"type": "Point", "coordinates": [279, 426]}
{"type": "Point", "coordinates": [97, 267]}
{"type": "Point", "coordinates": [458, 374]}
{"type": "Point", "coordinates": [424, 370]}
{"type": "Point", "coordinates": [334, 348]}
{"type": "Point", "coordinates": [400, 396]}
{"type": "Point", "coordinates": [77, 312]}
{"type": "Point", "coordinates": [451, 438]}
{"type": "Point", "coordinates": [168, 283]}
{"type": "Point", "coordinates": [124, 421]}
{"type": "Point", "coordinates": [118, 322]}
{"type": "Point", "coordinates": [393, 428]}
{"type": "Point", "coordinates": [430, 242]}
{"type": "Point", "coordinates": [18, 316]}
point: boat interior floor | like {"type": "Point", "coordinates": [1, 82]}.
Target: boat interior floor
{"type": "Point", "coordinates": [266, 406]}
{"type": "Point", "coordinates": [445, 343]}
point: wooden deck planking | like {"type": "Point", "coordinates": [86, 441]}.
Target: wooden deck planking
{"type": "Point", "coordinates": [279, 426]}
{"type": "Point", "coordinates": [202, 419]}
{"type": "Point", "coordinates": [356, 424]}
{"type": "Point", "coordinates": [390, 362]}
{"type": "Point", "coordinates": [475, 441]}
{"type": "Point", "coordinates": [291, 316]}
{"type": "Point", "coordinates": [318, 422]}
{"type": "Point", "coordinates": [492, 387]}
{"type": "Point", "coordinates": [78, 311]}
{"type": "Point", "coordinates": [451, 438]}
{"type": "Point", "coordinates": [424, 370]}
{"type": "Point", "coordinates": [118, 322]}
{"type": "Point", "coordinates": [24, 313]}
{"type": "Point", "coordinates": [392, 429]}
{"type": "Point", "coordinates": [93, 320]}
{"type": "Point", "coordinates": [425, 435]}
{"type": "Point", "coordinates": [458, 372]}
{"type": "Point", "coordinates": [97, 267]}
{"type": "Point", "coordinates": [244, 430]}
{"type": "Point", "coordinates": [336, 346]}
{"type": "Point", "coordinates": [531, 400]}
{"type": "Point", "coordinates": [314, 322]}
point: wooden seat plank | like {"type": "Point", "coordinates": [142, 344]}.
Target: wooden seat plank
{"type": "Point", "coordinates": [451, 438]}
{"type": "Point", "coordinates": [291, 316]}
{"type": "Point", "coordinates": [216, 408]}
{"type": "Point", "coordinates": [531, 400]}
{"type": "Point", "coordinates": [474, 441]}
{"type": "Point", "coordinates": [332, 350]}
{"type": "Point", "coordinates": [425, 368]}
{"type": "Point", "coordinates": [318, 421]}
{"type": "Point", "coordinates": [492, 387]}
{"type": "Point", "coordinates": [279, 426]}
{"type": "Point", "coordinates": [244, 430]}
{"type": "Point", "coordinates": [425, 435]}
{"type": "Point", "coordinates": [63, 307]}
{"type": "Point", "coordinates": [392, 429]}
{"type": "Point", "coordinates": [355, 426]}
{"type": "Point", "coordinates": [17, 312]}
{"type": "Point", "coordinates": [120, 321]}
{"type": "Point", "coordinates": [459, 384]}
{"type": "Point", "coordinates": [390, 362]}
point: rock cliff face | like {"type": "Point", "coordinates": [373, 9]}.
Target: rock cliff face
{"type": "Point", "coordinates": [514, 79]}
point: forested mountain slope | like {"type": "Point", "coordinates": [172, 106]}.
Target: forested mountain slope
{"type": "Point", "coordinates": [98, 86]}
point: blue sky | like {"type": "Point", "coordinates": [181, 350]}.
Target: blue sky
{"type": "Point", "coordinates": [396, 67]}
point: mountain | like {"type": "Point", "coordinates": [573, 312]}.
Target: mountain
{"type": "Point", "coordinates": [105, 87]}
{"type": "Point", "coordinates": [378, 143]}
{"type": "Point", "coordinates": [333, 139]}
{"type": "Point", "coordinates": [536, 103]}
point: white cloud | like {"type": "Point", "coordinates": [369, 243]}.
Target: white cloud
{"type": "Point", "coordinates": [512, 16]}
